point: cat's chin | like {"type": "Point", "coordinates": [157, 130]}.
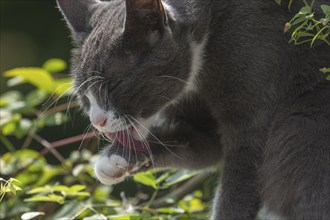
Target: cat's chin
{"type": "Point", "coordinates": [127, 139]}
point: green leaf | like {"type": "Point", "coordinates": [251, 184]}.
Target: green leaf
{"type": "Point", "coordinates": [300, 19]}
{"type": "Point", "coordinates": [69, 209]}
{"type": "Point", "coordinates": [3, 102]}
{"type": "Point", "coordinates": [163, 177]}
{"type": "Point", "coordinates": [101, 193]}
{"type": "Point", "coordinates": [179, 176]}
{"type": "Point", "coordinates": [304, 34]}
{"type": "Point", "coordinates": [76, 191]}
{"type": "Point", "coordinates": [63, 86]}
{"type": "Point", "coordinates": [326, 9]}
{"type": "Point", "coordinates": [11, 96]}
{"type": "Point", "coordinates": [13, 180]}
{"type": "Point", "coordinates": [13, 161]}
{"type": "Point", "coordinates": [83, 194]}
{"type": "Point", "coordinates": [6, 117]}
{"type": "Point", "coordinates": [12, 188]}
{"type": "Point", "coordinates": [48, 173]}
{"type": "Point", "coordinates": [328, 78]}
{"type": "Point", "coordinates": [125, 217]}
{"type": "Point", "coordinates": [24, 126]}
{"type": "Point", "coordinates": [96, 217]}
{"type": "Point", "coordinates": [305, 10]}
{"type": "Point", "coordinates": [44, 189]}
{"type": "Point", "coordinates": [15, 81]}
{"type": "Point", "coordinates": [58, 118]}
{"type": "Point", "coordinates": [36, 76]}
{"type": "Point", "coordinates": [31, 215]}
{"type": "Point", "coordinates": [171, 210]}
{"type": "Point", "coordinates": [278, 2]}
{"type": "Point", "coordinates": [192, 205]}
{"type": "Point", "coordinates": [54, 65]}
{"type": "Point", "coordinates": [50, 198]}
{"type": "Point", "coordinates": [77, 188]}
{"type": "Point", "coordinates": [20, 107]}
{"type": "Point", "coordinates": [35, 98]}
{"type": "Point", "coordinates": [9, 128]}
{"type": "Point", "coordinates": [60, 188]}
{"type": "Point", "coordinates": [325, 70]}
{"type": "Point", "coordinates": [17, 188]}
{"type": "Point", "coordinates": [8, 122]}
{"type": "Point", "coordinates": [146, 178]}
{"type": "Point", "coordinates": [78, 169]}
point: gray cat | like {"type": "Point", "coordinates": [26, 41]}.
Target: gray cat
{"type": "Point", "coordinates": [192, 83]}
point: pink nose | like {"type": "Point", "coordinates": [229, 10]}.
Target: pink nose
{"type": "Point", "coordinates": [99, 121]}
{"type": "Point", "coordinates": [102, 123]}
{"type": "Point", "coordinates": [98, 117]}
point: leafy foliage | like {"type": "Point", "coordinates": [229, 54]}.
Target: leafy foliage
{"type": "Point", "coordinates": [307, 28]}
{"type": "Point", "coordinates": [17, 108]}
{"type": "Point", "coordinates": [77, 196]}
{"type": "Point", "coordinates": [8, 186]}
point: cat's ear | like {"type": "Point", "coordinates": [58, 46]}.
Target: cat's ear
{"type": "Point", "coordinates": [77, 14]}
{"type": "Point", "coordinates": [144, 16]}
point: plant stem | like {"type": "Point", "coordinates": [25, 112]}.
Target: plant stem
{"type": "Point", "coordinates": [70, 140]}
{"type": "Point", "coordinates": [316, 36]}
{"type": "Point", "coordinates": [49, 147]}
{"type": "Point", "coordinates": [152, 199]}
{"type": "Point", "coordinates": [62, 107]}
{"type": "Point", "coordinates": [7, 143]}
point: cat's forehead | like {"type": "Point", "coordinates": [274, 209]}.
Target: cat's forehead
{"type": "Point", "coordinates": [107, 27]}
{"type": "Point", "coordinates": [104, 47]}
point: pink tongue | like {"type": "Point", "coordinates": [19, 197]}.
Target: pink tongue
{"type": "Point", "coordinates": [128, 141]}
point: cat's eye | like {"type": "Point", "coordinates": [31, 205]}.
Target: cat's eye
{"type": "Point", "coordinates": [114, 85]}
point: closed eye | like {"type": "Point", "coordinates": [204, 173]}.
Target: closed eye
{"type": "Point", "coordinates": [114, 86]}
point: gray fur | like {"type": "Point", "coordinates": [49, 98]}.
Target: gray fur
{"type": "Point", "coordinates": [262, 106]}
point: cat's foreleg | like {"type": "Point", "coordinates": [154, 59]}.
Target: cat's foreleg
{"type": "Point", "coordinates": [180, 145]}
{"type": "Point", "coordinates": [238, 198]}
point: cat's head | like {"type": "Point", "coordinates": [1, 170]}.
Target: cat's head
{"type": "Point", "coordinates": [132, 58]}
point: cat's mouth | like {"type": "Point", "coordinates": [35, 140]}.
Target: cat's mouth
{"type": "Point", "coordinates": [127, 139]}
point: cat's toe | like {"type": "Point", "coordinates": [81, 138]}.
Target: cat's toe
{"type": "Point", "coordinates": [111, 170]}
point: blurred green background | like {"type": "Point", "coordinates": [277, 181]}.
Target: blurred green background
{"type": "Point", "coordinates": [33, 31]}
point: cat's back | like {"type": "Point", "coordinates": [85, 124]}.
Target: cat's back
{"type": "Point", "coordinates": [247, 47]}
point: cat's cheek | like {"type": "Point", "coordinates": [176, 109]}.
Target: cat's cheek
{"type": "Point", "coordinates": [111, 170]}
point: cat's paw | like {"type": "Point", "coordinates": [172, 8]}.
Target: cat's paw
{"type": "Point", "coordinates": [112, 169]}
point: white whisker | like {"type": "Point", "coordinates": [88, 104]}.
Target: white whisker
{"type": "Point", "coordinates": [87, 129]}
{"type": "Point", "coordinates": [144, 141]}
{"type": "Point", "coordinates": [176, 78]}
{"type": "Point", "coordinates": [55, 101]}
{"type": "Point", "coordinates": [130, 140]}
{"type": "Point", "coordinates": [155, 137]}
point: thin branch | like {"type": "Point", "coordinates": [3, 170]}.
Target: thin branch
{"type": "Point", "coordinates": [70, 140]}
{"type": "Point", "coordinates": [62, 107]}
{"type": "Point", "coordinates": [74, 139]}
{"type": "Point", "coordinates": [50, 147]}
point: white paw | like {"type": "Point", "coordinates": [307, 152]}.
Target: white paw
{"type": "Point", "coordinates": [111, 170]}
